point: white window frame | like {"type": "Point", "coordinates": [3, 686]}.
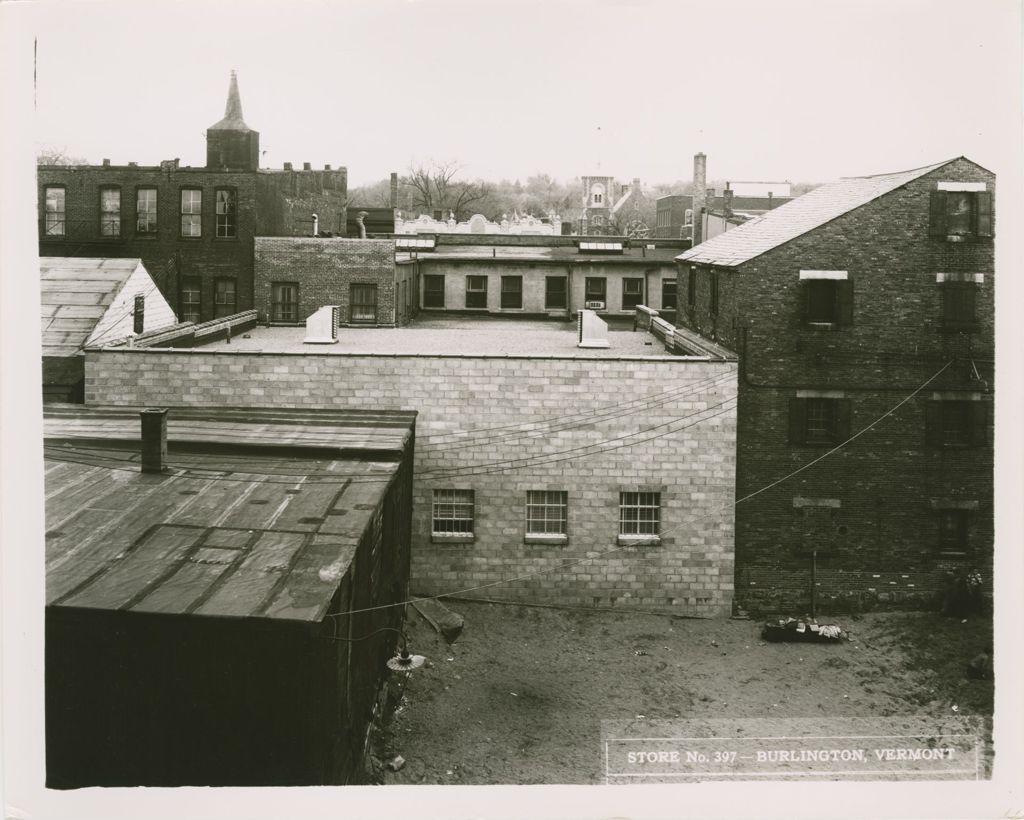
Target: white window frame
{"type": "Point", "coordinates": [458, 523]}
{"type": "Point", "coordinates": [545, 508]}
{"type": "Point", "coordinates": [640, 501]}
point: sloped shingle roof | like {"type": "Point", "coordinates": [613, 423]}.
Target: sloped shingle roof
{"type": "Point", "coordinates": [75, 294]}
{"type": "Point", "coordinates": [797, 217]}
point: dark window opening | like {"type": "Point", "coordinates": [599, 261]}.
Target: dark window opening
{"type": "Point", "coordinates": [476, 291]}
{"type": "Point", "coordinates": [632, 293]}
{"type": "Point", "coordinates": [284, 302]}
{"type": "Point", "coordinates": [224, 298]}
{"type": "Point", "coordinates": [819, 421]}
{"type": "Point", "coordinates": [960, 215]}
{"type": "Point", "coordinates": [827, 301]}
{"type": "Point", "coordinates": [595, 288]}
{"type": "Point", "coordinates": [191, 299]}
{"type": "Point", "coordinates": [956, 423]}
{"type": "Point", "coordinates": [555, 293]}
{"type": "Point", "coordinates": [433, 290]}
{"type": "Point", "coordinates": [959, 306]}
{"type": "Point", "coordinates": [668, 294]}
{"type": "Point", "coordinates": [954, 527]}
{"type": "Point", "coordinates": [145, 211]}
{"type": "Point", "coordinates": [512, 292]}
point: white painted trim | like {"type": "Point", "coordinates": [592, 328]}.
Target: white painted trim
{"type": "Point", "coordinates": [833, 503]}
{"type": "Point", "coordinates": [823, 274]}
{"type": "Point", "coordinates": [821, 394]}
{"type": "Point", "coordinates": [952, 395]}
{"type": "Point", "coordinates": [979, 278]}
{"type": "Point", "coordinates": [962, 186]}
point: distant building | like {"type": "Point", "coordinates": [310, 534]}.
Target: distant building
{"type": "Point", "coordinates": [516, 225]}
{"type": "Point", "coordinates": [87, 302]}
{"type": "Point", "coordinates": [864, 305]}
{"type": "Point", "coordinates": [197, 626]}
{"type": "Point", "coordinates": [633, 214]}
{"type": "Point", "coordinates": [598, 198]}
{"type": "Point", "coordinates": [192, 227]}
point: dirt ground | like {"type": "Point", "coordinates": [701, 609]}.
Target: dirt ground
{"type": "Point", "coordinates": [520, 696]}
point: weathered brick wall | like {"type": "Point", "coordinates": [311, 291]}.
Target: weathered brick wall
{"type": "Point", "coordinates": [287, 200]}
{"type": "Point", "coordinates": [880, 545]}
{"type": "Point", "coordinates": [475, 411]}
{"type": "Point", "coordinates": [325, 270]}
{"type": "Point", "coordinates": [167, 255]}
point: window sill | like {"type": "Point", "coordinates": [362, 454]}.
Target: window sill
{"type": "Point", "coordinates": [638, 540]}
{"type": "Point", "coordinates": [452, 538]}
{"type": "Point", "coordinates": [546, 539]}
{"type": "Point", "coordinates": [820, 325]}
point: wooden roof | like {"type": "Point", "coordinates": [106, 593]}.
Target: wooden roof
{"type": "Point", "coordinates": [258, 515]}
{"type": "Point", "coordinates": [75, 294]}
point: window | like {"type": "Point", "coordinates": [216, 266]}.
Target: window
{"type": "Point", "coordinates": [363, 303]}
{"type": "Point", "coordinates": [827, 302]}
{"type": "Point", "coordinates": [227, 205]}
{"type": "Point", "coordinates": [819, 420]}
{"type": "Point", "coordinates": [956, 423]}
{"type": "Point", "coordinates": [55, 224]}
{"type": "Point", "coordinates": [191, 212]}
{"type": "Point", "coordinates": [512, 292]}
{"type": "Point", "coordinates": [476, 291]}
{"type": "Point", "coordinates": [958, 215]}
{"type": "Point", "coordinates": [224, 298]}
{"type": "Point", "coordinates": [547, 512]}
{"type": "Point", "coordinates": [668, 294]}
{"type": "Point", "coordinates": [958, 306]}
{"type": "Point", "coordinates": [433, 290]}
{"type": "Point", "coordinates": [596, 288]}
{"type": "Point", "coordinates": [555, 293]}
{"type": "Point", "coordinates": [453, 512]}
{"type": "Point", "coordinates": [191, 299]}
{"type": "Point", "coordinates": [639, 513]}
{"type": "Point", "coordinates": [284, 302]}
{"type": "Point", "coordinates": [145, 211]}
{"type": "Point", "coordinates": [953, 531]}
{"type": "Point", "coordinates": [691, 287]}
{"type": "Point", "coordinates": [632, 293]}
{"type": "Point", "coordinates": [110, 211]}
{"type": "Point", "coordinates": [713, 306]}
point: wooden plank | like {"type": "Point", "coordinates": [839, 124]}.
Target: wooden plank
{"type": "Point", "coordinates": [268, 562]}
{"type": "Point", "coordinates": [140, 569]}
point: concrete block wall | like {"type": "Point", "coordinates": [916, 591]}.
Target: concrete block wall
{"type": "Point", "coordinates": [560, 422]}
{"type": "Point", "coordinates": [879, 546]}
{"type": "Point", "coordinates": [325, 270]}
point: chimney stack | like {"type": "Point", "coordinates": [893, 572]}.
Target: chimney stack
{"type": "Point", "coordinates": [154, 440]}
{"type": "Point", "coordinates": [394, 190]}
{"type": "Point", "coordinates": [139, 314]}
{"type": "Point", "coordinates": [727, 200]}
{"type": "Point", "coordinates": [307, 166]}
{"type": "Point", "coordinates": [700, 181]}
{"type": "Point", "coordinates": [287, 166]}
{"type": "Point", "coordinates": [316, 224]}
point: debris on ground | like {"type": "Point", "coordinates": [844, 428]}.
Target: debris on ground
{"type": "Point", "coordinates": [794, 629]}
{"type": "Point", "coordinates": [449, 624]}
{"type": "Point", "coordinates": [396, 763]}
{"type": "Point", "coordinates": [980, 667]}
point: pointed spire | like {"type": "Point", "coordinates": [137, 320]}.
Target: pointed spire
{"type": "Point", "coordinates": [233, 110]}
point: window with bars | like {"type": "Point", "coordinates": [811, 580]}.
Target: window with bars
{"type": "Point", "coordinates": [284, 302]}
{"type": "Point", "coordinates": [476, 291]}
{"type": "Point", "coordinates": [433, 290]}
{"type": "Point", "coordinates": [227, 206]}
{"type": "Point", "coordinates": [819, 420]}
{"type": "Point", "coordinates": [191, 299]}
{"type": "Point", "coordinates": [555, 293]}
{"type": "Point", "coordinates": [632, 292]}
{"type": "Point", "coordinates": [191, 212]}
{"type": "Point", "coordinates": [512, 292]}
{"type": "Point", "coordinates": [55, 222]}
{"type": "Point", "coordinates": [224, 298]}
{"type": "Point", "coordinates": [363, 303]}
{"type": "Point", "coordinates": [453, 512]}
{"type": "Point", "coordinates": [639, 513]}
{"type": "Point", "coordinates": [145, 211]}
{"type": "Point", "coordinates": [547, 512]}
{"type": "Point", "coordinates": [110, 212]}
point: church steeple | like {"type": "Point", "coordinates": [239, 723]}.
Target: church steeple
{"type": "Point", "coordinates": [230, 143]}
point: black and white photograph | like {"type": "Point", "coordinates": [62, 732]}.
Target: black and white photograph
{"type": "Point", "coordinates": [608, 403]}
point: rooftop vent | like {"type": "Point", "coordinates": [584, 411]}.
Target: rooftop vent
{"type": "Point", "coordinates": [322, 326]}
{"type": "Point", "coordinates": [154, 440]}
{"type": "Point", "coordinates": [600, 247]}
{"type": "Point", "coordinates": [592, 330]}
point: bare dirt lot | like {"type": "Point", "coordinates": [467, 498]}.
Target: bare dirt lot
{"type": "Point", "coordinates": [520, 696]}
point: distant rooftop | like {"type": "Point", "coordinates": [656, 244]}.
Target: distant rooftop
{"type": "Point", "coordinates": [798, 216]}
{"type": "Point", "coordinates": [258, 515]}
{"type": "Point", "coordinates": [448, 335]}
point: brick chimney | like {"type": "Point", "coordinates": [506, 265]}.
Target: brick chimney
{"type": "Point", "coordinates": [394, 189]}
{"type": "Point", "coordinates": [154, 440]}
{"type": "Point", "coordinates": [139, 313]}
{"type": "Point", "coordinates": [700, 181]}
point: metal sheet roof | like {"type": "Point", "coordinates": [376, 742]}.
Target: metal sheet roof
{"type": "Point", "coordinates": [797, 217]}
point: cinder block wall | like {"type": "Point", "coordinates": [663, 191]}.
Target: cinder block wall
{"type": "Point", "coordinates": [476, 414]}
{"type": "Point", "coordinates": [879, 547]}
{"type": "Point", "coordinates": [325, 270]}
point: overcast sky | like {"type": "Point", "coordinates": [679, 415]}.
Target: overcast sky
{"type": "Point", "coordinates": [804, 90]}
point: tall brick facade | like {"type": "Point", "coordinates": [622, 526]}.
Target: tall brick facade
{"type": "Point", "coordinates": [592, 428]}
{"type": "Point", "coordinates": [895, 510]}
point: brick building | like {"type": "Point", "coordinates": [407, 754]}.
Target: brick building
{"type": "Point", "coordinates": [296, 276]}
{"type": "Point", "coordinates": [608, 471]}
{"type": "Point", "coordinates": [866, 303]}
{"type": "Point", "coordinates": [192, 227]}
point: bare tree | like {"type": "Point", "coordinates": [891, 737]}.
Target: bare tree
{"type": "Point", "coordinates": [50, 155]}
{"type": "Point", "coordinates": [434, 186]}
